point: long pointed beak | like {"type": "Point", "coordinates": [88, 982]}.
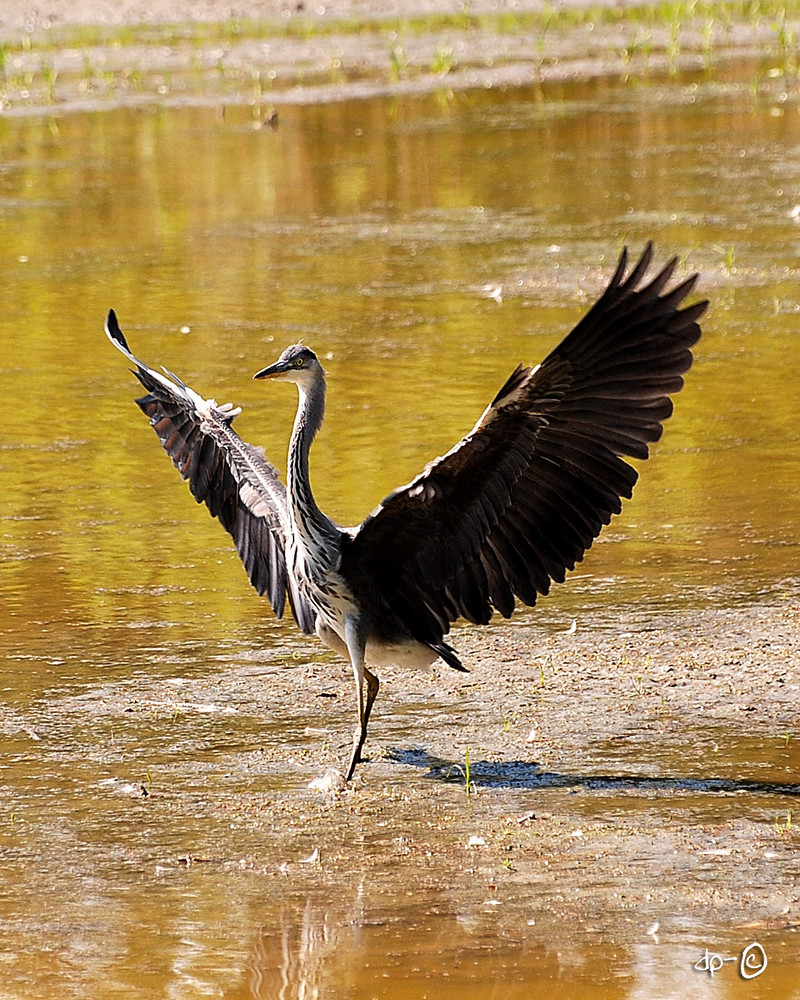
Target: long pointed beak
{"type": "Point", "coordinates": [272, 370]}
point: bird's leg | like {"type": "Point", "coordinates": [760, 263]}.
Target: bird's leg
{"type": "Point", "coordinates": [364, 698]}
{"type": "Point", "coordinates": [360, 732]}
{"type": "Point", "coordinates": [373, 684]}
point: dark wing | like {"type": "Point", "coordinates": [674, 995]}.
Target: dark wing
{"type": "Point", "coordinates": [234, 479]}
{"type": "Point", "coordinates": [523, 496]}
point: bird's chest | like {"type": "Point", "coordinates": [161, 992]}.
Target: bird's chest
{"type": "Point", "coordinates": [317, 576]}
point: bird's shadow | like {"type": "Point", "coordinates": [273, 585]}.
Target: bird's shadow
{"type": "Point", "coordinates": [522, 774]}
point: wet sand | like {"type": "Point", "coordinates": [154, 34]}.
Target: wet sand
{"type": "Point", "coordinates": [129, 12]}
{"type": "Point", "coordinates": [94, 54]}
{"type": "Point", "coordinates": [660, 758]}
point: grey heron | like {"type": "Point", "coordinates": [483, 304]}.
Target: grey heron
{"type": "Point", "coordinates": [508, 510]}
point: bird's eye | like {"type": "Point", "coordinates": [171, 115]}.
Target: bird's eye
{"type": "Point", "coordinates": [298, 362]}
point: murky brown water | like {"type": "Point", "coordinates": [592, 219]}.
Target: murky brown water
{"type": "Point", "coordinates": [375, 231]}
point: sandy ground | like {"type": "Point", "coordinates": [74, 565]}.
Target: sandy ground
{"type": "Point", "coordinates": [32, 16]}
{"type": "Point", "coordinates": [650, 753]}
{"type": "Point", "coordinates": [91, 54]}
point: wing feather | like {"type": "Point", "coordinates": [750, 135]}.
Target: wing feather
{"type": "Point", "coordinates": [232, 478]}
{"type": "Point", "coordinates": [522, 497]}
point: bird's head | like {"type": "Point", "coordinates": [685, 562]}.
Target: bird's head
{"type": "Point", "coordinates": [297, 364]}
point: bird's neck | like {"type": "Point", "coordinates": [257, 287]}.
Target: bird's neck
{"type": "Point", "coordinates": [307, 518]}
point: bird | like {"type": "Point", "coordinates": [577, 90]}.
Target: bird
{"type": "Point", "coordinates": [501, 516]}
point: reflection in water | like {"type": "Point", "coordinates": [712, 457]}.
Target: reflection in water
{"type": "Point", "coordinates": [316, 949]}
{"type": "Point", "coordinates": [293, 960]}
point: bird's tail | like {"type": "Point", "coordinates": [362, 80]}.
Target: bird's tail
{"type": "Point", "coordinates": [448, 654]}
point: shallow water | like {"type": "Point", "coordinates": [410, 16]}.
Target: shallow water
{"type": "Point", "coordinates": [421, 247]}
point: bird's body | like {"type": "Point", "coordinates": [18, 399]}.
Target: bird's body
{"type": "Point", "coordinates": [509, 509]}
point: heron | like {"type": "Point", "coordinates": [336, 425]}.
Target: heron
{"type": "Point", "coordinates": [497, 519]}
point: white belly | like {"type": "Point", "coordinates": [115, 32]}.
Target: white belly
{"type": "Point", "coordinates": [409, 654]}
{"type": "Point", "coordinates": [378, 654]}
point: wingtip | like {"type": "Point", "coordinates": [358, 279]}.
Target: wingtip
{"type": "Point", "coordinates": [113, 332]}
{"type": "Point", "coordinates": [622, 265]}
{"type": "Point", "coordinates": [640, 268]}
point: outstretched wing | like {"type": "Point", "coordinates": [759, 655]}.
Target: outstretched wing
{"type": "Point", "coordinates": [234, 479]}
{"type": "Point", "coordinates": [522, 497]}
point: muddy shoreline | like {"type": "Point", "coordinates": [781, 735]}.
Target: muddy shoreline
{"type": "Point", "coordinates": [665, 758]}
{"type": "Point", "coordinates": [631, 797]}
{"type": "Point", "coordinates": [94, 55]}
